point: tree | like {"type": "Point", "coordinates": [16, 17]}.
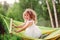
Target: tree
{"type": "Point", "coordinates": [1, 9]}
{"type": "Point", "coordinates": [15, 12]}
{"type": "Point", "coordinates": [51, 19]}
{"type": "Point", "coordinates": [55, 13]}
{"type": "Point", "coordinates": [5, 7]}
{"type": "Point", "coordinates": [28, 4]}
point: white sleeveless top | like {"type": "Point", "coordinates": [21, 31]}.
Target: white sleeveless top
{"type": "Point", "coordinates": [33, 31]}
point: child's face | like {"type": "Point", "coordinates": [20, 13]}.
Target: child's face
{"type": "Point", "coordinates": [27, 16]}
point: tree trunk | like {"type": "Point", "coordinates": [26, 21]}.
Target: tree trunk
{"type": "Point", "coordinates": [55, 13]}
{"type": "Point", "coordinates": [59, 1]}
{"type": "Point", "coordinates": [51, 19]}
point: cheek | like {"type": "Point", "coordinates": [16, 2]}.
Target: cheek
{"type": "Point", "coordinates": [28, 16]}
{"type": "Point", "coordinates": [25, 17]}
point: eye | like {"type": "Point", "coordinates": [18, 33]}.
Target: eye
{"type": "Point", "coordinates": [24, 15]}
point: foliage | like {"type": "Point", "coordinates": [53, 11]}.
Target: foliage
{"type": "Point", "coordinates": [15, 12]}
{"type": "Point", "coordinates": [9, 37]}
{"type": "Point", "coordinates": [1, 9]}
{"type": "Point", "coordinates": [6, 35]}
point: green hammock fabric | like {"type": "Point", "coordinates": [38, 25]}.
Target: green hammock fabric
{"type": "Point", "coordinates": [53, 32]}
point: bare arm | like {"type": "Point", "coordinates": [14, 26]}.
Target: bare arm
{"type": "Point", "coordinates": [20, 26]}
{"type": "Point", "coordinates": [25, 26]}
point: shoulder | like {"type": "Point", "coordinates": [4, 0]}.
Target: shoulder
{"type": "Point", "coordinates": [30, 21]}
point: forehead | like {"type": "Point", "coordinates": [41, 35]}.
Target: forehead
{"type": "Point", "coordinates": [26, 14]}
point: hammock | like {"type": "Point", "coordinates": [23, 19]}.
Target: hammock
{"type": "Point", "coordinates": [53, 32]}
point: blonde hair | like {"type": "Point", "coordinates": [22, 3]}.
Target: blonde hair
{"type": "Point", "coordinates": [32, 14]}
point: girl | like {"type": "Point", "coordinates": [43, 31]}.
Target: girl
{"type": "Point", "coordinates": [29, 25]}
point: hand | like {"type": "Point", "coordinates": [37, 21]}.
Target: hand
{"type": "Point", "coordinates": [17, 31]}
{"type": "Point", "coordinates": [10, 32]}
{"type": "Point", "coordinates": [14, 26]}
